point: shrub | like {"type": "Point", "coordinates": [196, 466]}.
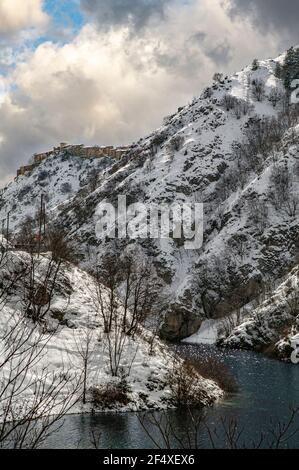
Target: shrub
{"type": "Point", "coordinates": [42, 175]}
{"type": "Point", "coordinates": [238, 106]}
{"type": "Point", "coordinates": [228, 102]}
{"type": "Point", "coordinates": [66, 188]}
{"type": "Point", "coordinates": [218, 77]}
{"type": "Point", "coordinates": [23, 192]}
{"type": "Point", "coordinates": [158, 140]}
{"type": "Point", "coordinates": [176, 143]}
{"type": "Point", "coordinates": [211, 368]}
{"type": "Point", "coordinates": [207, 93]}
{"type": "Point", "coordinates": [185, 385]}
{"type": "Point", "coordinates": [255, 65]}
{"type": "Point", "coordinates": [111, 394]}
{"type": "Point", "coordinates": [61, 248]}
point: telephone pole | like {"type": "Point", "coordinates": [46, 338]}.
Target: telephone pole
{"type": "Point", "coordinates": [40, 223]}
{"type": "Point", "coordinates": [2, 233]}
{"type": "Point", "coordinates": [7, 230]}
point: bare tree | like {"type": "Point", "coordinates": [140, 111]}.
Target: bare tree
{"type": "Point", "coordinates": [275, 97]}
{"type": "Point", "coordinates": [50, 395]}
{"type": "Point", "coordinates": [85, 351]}
{"type": "Point", "coordinates": [141, 293]}
{"type": "Point", "coordinates": [33, 398]}
{"type": "Point", "coordinates": [186, 389]}
{"type": "Point", "coordinates": [291, 205]}
{"type": "Point", "coordinates": [108, 277]}
{"type": "Point", "coordinates": [128, 293]}
{"type": "Point", "coordinates": [228, 433]}
{"type": "Point", "coordinates": [38, 286]}
{"type": "Point", "coordinates": [227, 325]}
{"type": "Point", "coordinates": [258, 89]}
{"type": "Point", "coordinates": [259, 211]}
{"type": "Point", "coordinates": [163, 434]}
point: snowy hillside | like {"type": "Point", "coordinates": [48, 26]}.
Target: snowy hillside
{"type": "Point", "coordinates": [58, 178]}
{"type": "Point", "coordinates": [73, 319]}
{"type": "Point", "coordinates": [274, 325]}
{"type": "Point", "coordinates": [235, 148]}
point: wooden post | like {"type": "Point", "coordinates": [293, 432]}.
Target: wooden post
{"type": "Point", "coordinates": [44, 219]}
{"type": "Point", "coordinates": [2, 233]}
{"type": "Point", "coordinates": [7, 229]}
{"type": "Point", "coordinates": [40, 223]}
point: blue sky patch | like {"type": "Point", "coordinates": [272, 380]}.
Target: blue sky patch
{"type": "Point", "coordinates": [65, 13]}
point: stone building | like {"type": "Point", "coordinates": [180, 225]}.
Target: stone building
{"type": "Point", "coordinates": [39, 157]}
{"type": "Point", "coordinates": [25, 169]}
{"type": "Point", "coordinates": [78, 150]}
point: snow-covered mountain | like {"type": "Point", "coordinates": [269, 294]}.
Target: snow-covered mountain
{"type": "Point", "coordinates": [235, 148]}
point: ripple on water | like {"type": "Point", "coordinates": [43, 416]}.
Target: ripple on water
{"type": "Point", "coordinates": [267, 388]}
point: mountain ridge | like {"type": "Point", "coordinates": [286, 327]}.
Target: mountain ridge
{"type": "Point", "coordinates": [235, 148]}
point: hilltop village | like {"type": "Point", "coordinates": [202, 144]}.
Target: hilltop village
{"type": "Point", "coordinates": [76, 151]}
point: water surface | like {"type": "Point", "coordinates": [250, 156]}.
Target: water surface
{"type": "Point", "coordinates": [267, 389]}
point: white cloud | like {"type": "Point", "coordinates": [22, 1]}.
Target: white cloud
{"type": "Point", "coordinates": [18, 15]}
{"type": "Point", "coordinates": [112, 87]}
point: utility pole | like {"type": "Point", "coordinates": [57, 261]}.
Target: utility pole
{"type": "Point", "coordinates": [2, 233]}
{"type": "Point", "coordinates": [44, 219]}
{"type": "Point", "coordinates": [7, 230]}
{"type": "Point", "coordinates": [40, 223]}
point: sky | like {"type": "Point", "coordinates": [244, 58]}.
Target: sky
{"type": "Point", "coordinates": [108, 71]}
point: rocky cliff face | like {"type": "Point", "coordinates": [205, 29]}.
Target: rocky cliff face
{"type": "Point", "coordinates": [272, 327]}
{"type": "Point", "coordinates": [235, 148]}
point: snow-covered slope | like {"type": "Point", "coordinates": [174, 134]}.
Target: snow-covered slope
{"type": "Point", "coordinates": [72, 318]}
{"type": "Point", "coordinates": [274, 325]}
{"type": "Point", "coordinates": [58, 178]}
{"type": "Point", "coordinates": [222, 150]}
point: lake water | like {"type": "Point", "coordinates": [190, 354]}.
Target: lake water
{"type": "Point", "coordinates": [267, 389]}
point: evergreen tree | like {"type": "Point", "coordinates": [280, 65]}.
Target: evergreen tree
{"type": "Point", "coordinates": [255, 64]}
{"type": "Point", "coordinates": [290, 68]}
{"type": "Point", "coordinates": [278, 70]}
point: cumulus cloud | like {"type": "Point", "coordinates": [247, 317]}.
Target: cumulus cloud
{"type": "Point", "coordinates": [114, 86]}
{"type": "Point", "coordinates": [276, 15]}
{"type": "Point", "coordinates": [18, 15]}
{"type": "Point", "coordinates": [132, 13]}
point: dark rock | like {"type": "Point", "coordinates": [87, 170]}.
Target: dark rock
{"type": "Point", "coordinates": [179, 323]}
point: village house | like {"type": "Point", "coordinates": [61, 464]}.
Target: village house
{"type": "Point", "coordinates": [77, 150]}
{"type": "Point", "coordinates": [25, 169]}
{"type": "Point", "coordinates": [39, 157]}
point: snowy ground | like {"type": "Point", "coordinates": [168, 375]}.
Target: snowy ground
{"type": "Point", "coordinates": [75, 305]}
{"type": "Point", "coordinates": [207, 334]}
{"type": "Point", "coordinates": [274, 324]}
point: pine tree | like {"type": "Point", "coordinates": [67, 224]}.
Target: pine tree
{"type": "Point", "coordinates": [255, 64]}
{"type": "Point", "coordinates": [278, 70]}
{"type": "Point", "coordinates": [290, 68]}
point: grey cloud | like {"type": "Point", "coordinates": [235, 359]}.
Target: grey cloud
{"type": "Point", "coordinates": [270, 15]}
{"type": "Point", "coordinates": [33, 129]}
{"type": "Point", "coordinates": [199, 37]}
{"type": "Point", "coordinates": [221, 54]}
{"type": "Point", "coordinates": [124, 12]}
{"type": "Point", "coordinates": [61, 94]}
